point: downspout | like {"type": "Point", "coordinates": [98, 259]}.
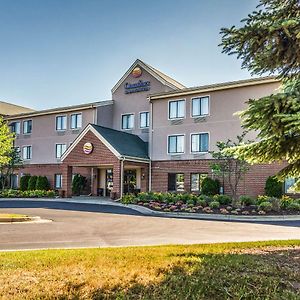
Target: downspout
{"type": "Point", "coordinates": [150, 145]}
{"type": "Point", "coordinates": [121, 176]}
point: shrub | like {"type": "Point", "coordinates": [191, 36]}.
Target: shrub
{"type": "Point", "coordinates": [32, 183]}
{"type": "Point", "coordinates": [214, 204]}
{"type": "Point", "coordinates": [78, 184]}
{"type": "Point", "coordinates": [50, 194]}
{"type": "Point", "coordinates": [294, 206]}
{"type": "Point", "coordinates": [261, 199]}
{"type": "Point", "coordinates": [223, 199]}
{"type": "Point", "coordinates": [128, 199]}
{"type": "Point", "coordinates": [273, 187]}
{"type": "Point", "coordinates": [190, 202]}
{"type": "Point", "coordinates": [247, 200]}
{"type": "Point", "coordinates": [276, 204]}
{"type": "Point", "coordinates": [265, 206]}
{"type": "Point", "coordinates": [201, 202]}
{"type": "Point", "coordinates": [42, 183]}
{"type": "Point", "coordinates": [24, 182]}
{"type": "Point", "coordinates": [210, 186]}
{"type": "Point", "coordinates": [286, 201]}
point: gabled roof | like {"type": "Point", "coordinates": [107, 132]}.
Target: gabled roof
{"type": "Point", "coordinates": [161, 77]}
{"type": "Point", "coordinates": [215, 87]}
{"type": "Point", "coordinates": [8, 109]}
{"type": "Point", "coordinates": [122, 144]}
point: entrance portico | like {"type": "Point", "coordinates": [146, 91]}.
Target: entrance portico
{"type": "Point", "coordinates": [118, 161]}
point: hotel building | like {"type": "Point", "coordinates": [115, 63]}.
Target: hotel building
{"type": "Point", "coordinates": [153, 134]}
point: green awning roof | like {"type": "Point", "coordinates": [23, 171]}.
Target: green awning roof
{"type": "Point", "coordinates": [126, 144]}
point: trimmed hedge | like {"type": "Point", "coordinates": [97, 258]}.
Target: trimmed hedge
{"type": "Point", "coordinates": [210, 186]}
{"type": "Point", "coordinates": [32, 183]}
{"type": "Point", "coordinates": [24, 182]}
{"type": "Point", "coordinates": [42, 183]}
{"type": "Point", "coordinates": [27, 194]}
{"type": "Point", "coordinates": [273, 187]}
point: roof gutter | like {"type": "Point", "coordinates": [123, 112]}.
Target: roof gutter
{"type": "Point", "coordinates": [193, 91]}
{"type": "Point", "coordinates": [134, 159]}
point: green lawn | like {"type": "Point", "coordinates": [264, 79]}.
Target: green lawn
{"type": "Point", "coordinates": [263, 270]}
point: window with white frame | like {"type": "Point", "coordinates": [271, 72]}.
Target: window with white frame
{"type": "Point", "coordinates": [176, 144]}
{"type": "Point", "coordinates": [200, 106]}
{"type": "Point", "coordinates": [58, 181]}
{"type": "Point", "coordinates": [76, 121]}
{"type": "Point", "coordinates": [176, 109]}
{"type": "Point", "coordinates": [15, 127]}
{"type": "Point", "coordinates": [196, 181]}
{"type": "Point", "coordinates": [199, 142]}
{"type": "Point", "coordinates": [175, 182]}
{"type": "Point", "coordinates": [289, 185]}
{"type": "Point", "coordinates": [60, 149]}
{"type": "Point", "coordinates": [27, 127]}
{"type": "Point", "coordinates": [27, 152]}
{"type": "Point", "coordinates": [144, 119]}
{"type": "Point", "coordinates": [61, 123]}
{"type": "Point", "coordinates": [127, 121]}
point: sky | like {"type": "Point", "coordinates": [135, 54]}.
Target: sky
{"type": "Point", "coordinates": [65, 52]}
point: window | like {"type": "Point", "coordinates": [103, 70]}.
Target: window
{"type": "Point", "coordinates": [58, 181]}
{"type": "Point", "coordinates": [199, 142]}
{"type": "Point", "coordinates": [176, 144]}
{"type": "Point", "coordinates": [60, 149]}
{"type": "Point", "coordinates": [196, 181]}
{"type": "Point", "coordinates": [177, 109]}
{"type": "Point", "coordinates": [128, 121]}
{"type": "Point", "coordinates": [27, 127]}
{"type": "Point", "coordinates": [200, 106]}
{"type": "Point", "coordinates": [15, 127]}
{"type": "Point", "coordinates": [288, 185]}
{"type": "Point", "coordinates": [144, 120]}
{"type": "Point", "coordinates": [76, 121]}
{"type": "Point", "coordinates": [27, 152]}
{"type": "Point", "coordinates": [176, 182]}
{"type": "Point", "coordinates": [61, 123]}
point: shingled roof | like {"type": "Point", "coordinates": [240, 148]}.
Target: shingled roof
{"type": "Point", "coordinates": [126, 144]}
{"type": "Point", "coordinates": [122, 144]}
{"type": "Point", "coordinates": [8, 109]}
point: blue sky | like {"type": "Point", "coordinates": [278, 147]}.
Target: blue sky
{"type": "Point", "coordinates": [64, 52]}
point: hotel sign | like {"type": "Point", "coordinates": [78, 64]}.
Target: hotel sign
{"type": "Point", "coordinates": [88, 148]}
{"type": "Point", "coordinates": [140, 86]}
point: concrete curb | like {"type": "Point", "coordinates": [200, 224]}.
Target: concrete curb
{"type": "Point", "coordinates": [219, 217]}
{"type": "Point", "coordinates": [149, 212]}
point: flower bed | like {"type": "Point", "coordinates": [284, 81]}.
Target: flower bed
{"type": "Point", "coordinates": [27, 194]}
{"type": "Point", "coordinates": [217, 204]}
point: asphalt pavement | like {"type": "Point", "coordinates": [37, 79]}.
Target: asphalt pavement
{"type": "Point", "coordinates": [94, 225]}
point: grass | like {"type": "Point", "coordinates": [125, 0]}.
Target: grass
{"type": "Point", "coordinates": [261, 270]}
{"type": "Point", "coordinates": [12, 216]}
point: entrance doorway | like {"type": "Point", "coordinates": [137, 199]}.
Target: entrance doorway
{"type": "Point", "coordinates": [129, 181]}
{"type": "Point", "coordinates": [109, 182]}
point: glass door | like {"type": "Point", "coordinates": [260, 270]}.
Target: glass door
{"type": "Point", "coordinates": [129, 181]}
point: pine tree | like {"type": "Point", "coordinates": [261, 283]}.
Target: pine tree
{"type": "Point", "coordinates": [269, 42]}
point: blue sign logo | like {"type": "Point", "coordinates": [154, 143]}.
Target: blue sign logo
{"type": "Point", "coordinates": [140, 86]}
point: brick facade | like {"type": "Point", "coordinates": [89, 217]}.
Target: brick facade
{"type": "Point", "coordinates": [252, 184]}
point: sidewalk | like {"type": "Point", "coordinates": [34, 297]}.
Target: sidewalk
{"type": "Point", "coordinates": [149, 212]}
